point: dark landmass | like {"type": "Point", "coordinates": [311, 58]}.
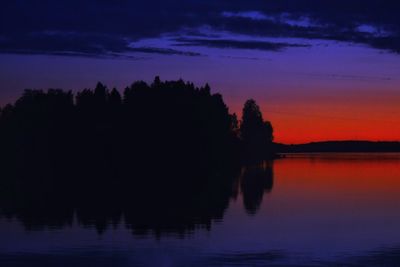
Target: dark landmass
{"type": "Point", "coordinates": [339, 146]}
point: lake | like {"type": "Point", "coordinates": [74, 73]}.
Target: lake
{"type": "Point", "coordinates": [301, 210]}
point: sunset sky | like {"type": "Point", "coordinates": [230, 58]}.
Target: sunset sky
{"type": "Point", "coordinates": [320, 70]}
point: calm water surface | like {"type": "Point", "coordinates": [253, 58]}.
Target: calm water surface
{"type": "Point", "coordinates": [308, 210]}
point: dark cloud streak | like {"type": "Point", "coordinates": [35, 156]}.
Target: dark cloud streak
{"type": "Point", "coordinates": [225, 43]}
{"type": "Point", "coordinates": [75, 44]}
{"type": "Point", "coordinates": [163, 51]}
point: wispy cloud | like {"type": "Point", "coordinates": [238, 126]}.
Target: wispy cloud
{"type": "Point", "coordinates": [163, 51]}
{"type": "Point", "coordinates": [238, 44]}
{"type": "Point", "coordinates": [254, 15]}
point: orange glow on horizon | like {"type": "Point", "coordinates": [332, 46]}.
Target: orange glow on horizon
{"type": "Point", "coordinates": [302, 130]}
{"type": "Point", "coordinates": [313, 121]}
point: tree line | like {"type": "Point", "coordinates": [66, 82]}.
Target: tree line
{"type": "Point", "coordinates": [162, 118]}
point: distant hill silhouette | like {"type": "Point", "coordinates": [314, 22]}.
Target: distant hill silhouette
{"type": "Point", "coordinates": [339, 146]}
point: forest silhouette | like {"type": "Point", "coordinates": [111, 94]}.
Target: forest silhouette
{"type": "Point", "coordinates": [172, 122]}
{"type": "Point", "coordinates": [167, 157]}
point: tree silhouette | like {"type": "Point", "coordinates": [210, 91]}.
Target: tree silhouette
{"type": "Point", "coordinates": [115, 99]}
{"type": "Point", "coordinates": [256, 134]}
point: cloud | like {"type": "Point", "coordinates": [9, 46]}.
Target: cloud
{"type": "Point", "coordinates": [238, 44]}
{"type": "Point", "coordinates": [163, 51]}
{"type": "Point", "coordinates": [77, 44]}
{"type": "Point", "coordinates": [98, 27]}
{"type": "Point", "coordinates": [334, 76]}
{"type": "Point", "coordinates": [254, 15]}
{"type": "Point", "coordinates": [93, 44]}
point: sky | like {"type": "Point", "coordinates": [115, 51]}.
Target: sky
{"type": "Point", "coordinates": [320, 70]}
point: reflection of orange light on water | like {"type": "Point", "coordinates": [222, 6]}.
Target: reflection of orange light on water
{"type": "Point", "coordinates": [340, 179]}
{"type": "Point", "coordinates": [330, 201]}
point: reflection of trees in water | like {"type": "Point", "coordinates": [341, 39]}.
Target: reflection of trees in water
{"type": "Point", "coordinates": [255, 181]}
{"type": "Point", "coordinates": [147, 204]}
{"type": "Point", "coordinates": [162, 201]}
